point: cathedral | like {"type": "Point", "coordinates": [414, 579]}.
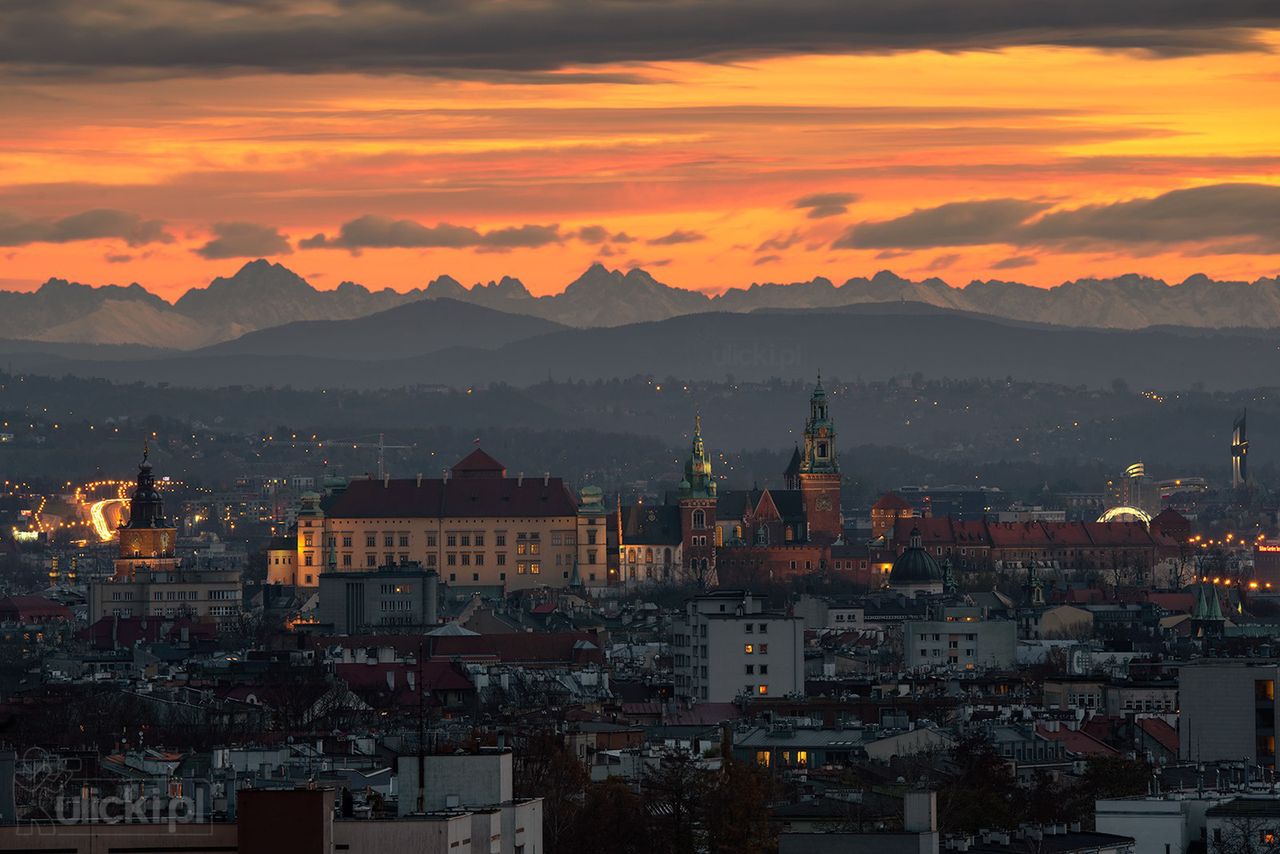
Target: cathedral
{"type": "Point", "coordinates": [736, 537]}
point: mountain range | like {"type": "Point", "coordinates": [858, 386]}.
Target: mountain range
{"type": "Point", "coordinates": [263, 295]}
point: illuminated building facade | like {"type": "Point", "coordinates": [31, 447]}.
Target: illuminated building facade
{"type": "Point", "coordinates": [476, 528]}
{"type": "Point", "coordinates": [149, 579]}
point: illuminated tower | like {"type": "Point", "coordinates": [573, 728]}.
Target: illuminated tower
{"type": "Point", "coordinates": [698, 513]}
{"type": "Point", "coordinates": [819, 477]}
{"type": "Point", "coordinates": [1239, 454]}
{"type": "Point", "coordinates": [147, 540]}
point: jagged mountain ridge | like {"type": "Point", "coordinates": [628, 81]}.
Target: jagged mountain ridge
{"type": "Point", "coordinates": [264, 295]}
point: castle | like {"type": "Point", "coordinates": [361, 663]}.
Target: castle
{"type": "Point", "coordinates": [709, 537]}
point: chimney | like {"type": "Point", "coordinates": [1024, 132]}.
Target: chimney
{"type": "Point", "coordinates": [520, 479]}
{"type": "Point", "coordinates": [411, 679]}
{"type": "Point", "coordinates": [446, 475]}
{"type": "Point", "coordinates": [391, 680]}
{"type": "Point", "coordinates": [419, 480]}
{"type": "Point", "coordinates": [386, 481]}
{"type": "Point", "coordinates": [546, 478]}
{"type": "Point", "coordinates": [920, 812]}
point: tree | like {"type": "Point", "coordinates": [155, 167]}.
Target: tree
{"type": "Point", "coordinates": [547, 769]}
{"type": "Point", "coordinates": [736, 808]}
{"type": "Point", "coordinates": [674, 793]}
{"type": "Point", "coordinates": [982, 794]}
{"type": "Point", "coordinates": [1246, 835]}
{"type": "Point", "coordinates": [610, 812]}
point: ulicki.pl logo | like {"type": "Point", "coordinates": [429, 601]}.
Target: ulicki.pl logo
{"type": "Point", "coordinates": [52, 797]}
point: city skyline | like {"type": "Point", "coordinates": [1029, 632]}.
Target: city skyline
{"type": "Point", "coordinates": [1040, 149]}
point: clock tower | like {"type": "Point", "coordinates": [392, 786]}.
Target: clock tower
{"type": "Point", "coordinates": [147, 541]}
{"type": "Point", "coordinates": [819, 474]}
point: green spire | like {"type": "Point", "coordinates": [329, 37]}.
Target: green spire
{"type": "Point", "coordinates": [819, 436]}
{"type": "Point", "coordinates": [698, 482]}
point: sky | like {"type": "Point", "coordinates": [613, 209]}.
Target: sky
{"type": "Point", "coordinates": [715, 143]}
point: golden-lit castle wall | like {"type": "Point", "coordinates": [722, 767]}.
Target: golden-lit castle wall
{"type": "Point", "coordinates": [147, 542]}
{"type": "Point", "coordinates": [511, 552]}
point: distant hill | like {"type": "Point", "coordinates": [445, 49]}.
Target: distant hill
{"type": "Point", "coordinates": [867, 342]}
{"type": "Point", "coordinates": [413, 329]}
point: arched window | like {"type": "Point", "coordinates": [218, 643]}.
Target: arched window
{"type": "Point", "coordinates": [699, 519]}
{"type": "Point", "coordinates": [762, 535]}
{"type": "Point", "coordinates": [719, 537]}
{"type": "Point", "coordinates": [737, 532]}
{"type": "Point", "coordinates": [790, 534]}
{"type": "Point", "coordinates": [631, 555]}
{"type": "Point", "coordinates": [648, 555]}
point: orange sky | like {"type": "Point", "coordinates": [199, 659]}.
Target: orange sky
{"type": "Point", "coordinates": [716, 154]}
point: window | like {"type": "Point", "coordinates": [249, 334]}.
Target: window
{"type": "Point", "coordinates": [522, 548]}
{"type": "Point", "coordinates": [502, 559]}
{"type": "Point", "coordinates": [764, 689]}
{"type": "Point", "coordinates": [451, 539]}
{"type": "Point", "coordinates": [466, 540]}
{"type": "Point", "coordinates": [748, 648]}
{"type": "Point", "coordinates": [475, 576]}
{"type": "Point", "coordinates": [764, 669]}
{"type": "Point", "coordinates": [431, 541]}
{"type": "Point", "coordinates": [520, 567]}
{"type": "Point", "coordinates": [500, 539]}
{"type": "Point", "coordinates": [751, 669]}
{"type": "Point", "coordinates": [308, 540]}
{"type": "Point", "coordinates": [764, 628]}
{"type": "Point", "coordinates": [699, 519]}
{"type": "Point", "coordinates": [479, 560]}
{"type": "Point", "coordinates": [307, 560]}
{"type": "Point", "coordinates": [479, 541]}
{"type": "Point", "coordinates": [404, 541]}
{"type": "Point", "coordinates": [591, 536]}
{"type": "Point", "coordinates": [466, 559]}
{"type": "Point", "coordinates": [764, 649]}
{"type": "Point", "coordinates": [388, 540]}
{"type": "Point", "coordinates": [451, 559]}
{"type": "Point", "coordinates": [750, 626]}
{"type": "Point", "coordinates": [370, 560]}
{"type": "Point", "coordinates": [370, 541]}
{"type": "Point", "coordinates": [346, 560]}
{"type": "Point", "coordinates": [534, 567]}
{"type": "Point", "coordinates": [346, 541]}
{"type": "Point", "coordinates": [762, 758]}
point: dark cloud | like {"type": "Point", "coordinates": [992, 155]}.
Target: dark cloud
{"type": "Point", "coordinates": [822, 205]}
{"type": "Point", "coordinates": [766, 259]}
{"type": "Point", "coordinates": [677, 236]}
{"type": "Point", "coordinates": [1218, 219]}
{"type": "Point", "coordinates": [112, 258]}
{"type": "Point", "coordinates": [515, 40]}
{"type": "Point", "coordinates": [101, 224]}
{"type": "Point", "coordinates": [1193, 215]}
{"type": "Point", "coordinates": [1014, 262]}
{"type": "Point", "coordinates": [941, 262]}
{"type": "Point", "coordinates": [380, 232]}
{"type": "Point", "coordinates": [244, 240]}
{"type": "Point", "coordinates": [952, 224]}
{"type": "Point", "coordinates": [890, 254]}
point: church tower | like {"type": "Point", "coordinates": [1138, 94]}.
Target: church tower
{"type": "Point", "coordinates": [819, 475]}
{"type": "Point", "coordinates": [698, 513]}
{"type": "Point", "coordinates": [147, 541]}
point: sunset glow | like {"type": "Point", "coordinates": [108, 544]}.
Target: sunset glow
{"type": "Point", "coordinates": [699, 171]}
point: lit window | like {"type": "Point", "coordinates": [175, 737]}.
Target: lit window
{"type": "Point", "coordinates": [748, 648]}
{"type": "Point", "coordinates": [762, 758]}
{"type": "Point", "coordinates": [764, 689]}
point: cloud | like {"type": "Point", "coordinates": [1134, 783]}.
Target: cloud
{"type": "Point", "coordinates": [890, 254]}
{"type": "Point", "coordinates": [506, 40]}
{"type": "Point", "coordinates": [380, 232]}
{"type": "Point", "coordinates": [244, 240]}
{"type": "Point", "coordinates": [99, 224]}
{"type": "Point", "coordinates": [1014, 262]}
{"type": "Point", "coordinates": [953, 224]}
{"type": "Point", "coordinates": [1193, 215]}
{"type": "Point", "coordinates": [677, 236]}
{"type": "Point", "coordinates": [941, 262]}
{"type": "Point", "coordinates": [597, 234]}
{"type": "Point", "coordinates": [1217, 219]}
{"type": "Point", "coordinates": [112, 258]}
{"type": "Point", "coordinates": [779, 242]}
{"type": "Point", "coordinates": [766, 259]}
{"type": "Point", "coordinates": [822, 205]}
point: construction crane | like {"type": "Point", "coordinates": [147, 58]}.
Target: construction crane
{"type": "Point", "coordinates": [381, 445]}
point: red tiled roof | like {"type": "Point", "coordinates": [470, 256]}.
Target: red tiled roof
{"type": "Point", "coordinates": [384, 676]}
{"type": "Point", "coordinates": [1175, 603]}
{"type": "Point", "coordinates": [891, 501]}
{"type": "Point", "coordinates": [526, 647]}
{"type": "Point", "coordinates": [31, 608]}
{"type": "Point", "coordinates": [1077, 742]}
{"type": "Point", "coordinates": [1160, 730]}
{"type": "Point", "coordinates": [128, 631]}
{"type": "Point", "coordinates": [458, 497]}
{"type": "Point", "coordinates": [478, 463]}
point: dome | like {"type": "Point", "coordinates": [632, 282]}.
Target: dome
{"type": "Point", "coordinates": [915, 566]}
